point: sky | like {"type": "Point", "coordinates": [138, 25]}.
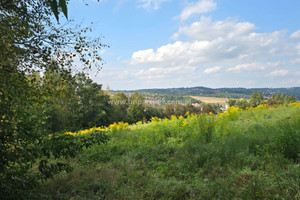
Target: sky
{"type": "Point", "coordinates": [188, 43]}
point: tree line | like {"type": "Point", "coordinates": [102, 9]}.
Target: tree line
{"type": "Point", "coordinates": [257, 98]}
{"type": "Point", "coordinates": [74, 102]}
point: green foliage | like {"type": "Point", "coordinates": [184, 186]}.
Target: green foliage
{"type": "Point", "coordinates": [243, 104]}
{"type": "Point", "coordinates": [120, 103]}
{"type": "Point", "coordinates": [288, 141]}
{"type": "Point", "coordinates": [207, 108]}
{"type": "Point", "coordinates": [93, 105]}
{"type": "Point", "coordinates": [256, 99]}
{"type": "Point", "coordinates": [60, 101]}
{"type": "Point", "coordinates": [249, 156]}
{"type": "Point", "coordinates": [180, 110]}
{"type": "Point", "coordinates": [18, 178]}
{"type": "Point", "coordinates": [30, 40]}
{"type": "Point", "coordinates": [136, 108]}
{"type": "Point", "coordinates": [31, 106]}
{"type": "Point", "coordinates": [62, 4]}
{"type": "Point", "coordinates": [152, 111]}
{"type": "Point", "coordinates": [174, 109]}
{"type": "Point", "coordinates": [279, 99]}
{"type": "Point", "coordinates": [231, 102]}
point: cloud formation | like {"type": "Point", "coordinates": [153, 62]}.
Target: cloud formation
{"type": "Point", "coordinates": [295, 35]}
{"type": "Point", "coordinates": [212, 70]}
{"type": "Point", "coordinates": [200, 7]}
{"type": "Point", "coordinates": [279, 72]}
{"type": "Point", "coordinates": [151, 4]}
{"type": "Point", "coordinates": [206, 45]}
{"type": "Point", "coordinates": [213, 53]}
{"type": "Point", "coordinates": [253, 67]}
{"type": "Point", "coordinates": [216, 42]}
{"type": "Point", "coordinates": [206, 29]}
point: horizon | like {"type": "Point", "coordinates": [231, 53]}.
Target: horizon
{"type": "Point", "coordinates": [204, 87]}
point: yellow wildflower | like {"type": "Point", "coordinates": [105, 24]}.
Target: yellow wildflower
{"type": "Point", "coordinates": [187, 114]}
{"type": "Point", "coordinates": [184, 123]}
{"type": "Point", "coordinates": [173, 117]}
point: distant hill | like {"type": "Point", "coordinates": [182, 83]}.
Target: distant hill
{"type": "Point", "coordinates": [221, 92]}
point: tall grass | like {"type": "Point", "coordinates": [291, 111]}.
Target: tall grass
{"type": "Point", "coordinates": [250, 154]}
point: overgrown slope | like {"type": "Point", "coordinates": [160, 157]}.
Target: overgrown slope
{"type": "Point", "coordinates": [251, 154]}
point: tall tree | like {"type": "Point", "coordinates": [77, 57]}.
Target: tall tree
{"type": "Point", "coordinates": [94, 104]}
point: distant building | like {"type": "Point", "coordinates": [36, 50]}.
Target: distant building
{"type": "Point", "coordinates": [197, 105]}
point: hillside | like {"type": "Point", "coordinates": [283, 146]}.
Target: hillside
{"type": "Point", "coordinates": [251, 154]}
{"type": "Point", "coordinates": [222, 92]}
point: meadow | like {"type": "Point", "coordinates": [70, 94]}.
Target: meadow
{"type": "Point", "coordinates": [251, 154]}
{"type": "Point", "coordinates": [214, 100]}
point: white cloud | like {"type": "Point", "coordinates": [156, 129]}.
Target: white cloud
{"type": "Point", "coordinates": [211, 53]}
{"type": "Point", "coordinates": [279, 72]}
{"type": "Point", "coordinates": [295, 61]}
{"type": "Point", "coordinates": [151, 4]}
{"type": "Point", "coordinates": [298, 47]}
{"type": "Point", "coordinates": [246, 67]}
{"type": "Point", "coordinates": [161, 72]}
{"type": "Point", "coordinates": [252, 67]}
{"type": "Point", "coordinates": [178, 52]}
{"type": "Point", "coordinates": [212, 70]}
{"type": "Point", "coordinates": [295, 35]}
{"type": "Point", "coordinates": [202, 6]}
{"type": "Point", "coordinates": [212, 43]}
{"type": "Point", "coordinates": [206, 29]}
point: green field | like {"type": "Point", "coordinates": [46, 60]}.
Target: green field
{"type": "Point", "coordinates": [251, 154]}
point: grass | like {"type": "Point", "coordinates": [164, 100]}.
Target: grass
{"type": "Point", "coordinates": [236, 155]}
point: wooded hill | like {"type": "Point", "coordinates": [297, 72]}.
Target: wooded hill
{"type": "Point", "coordinates": [222, 92]}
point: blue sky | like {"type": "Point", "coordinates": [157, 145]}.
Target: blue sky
{"type": "Point", "coordinates": [186, 43]}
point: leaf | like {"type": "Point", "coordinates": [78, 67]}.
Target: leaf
{"type": "Point", "coordinates": [64, 8]}
{"type": "Point", "coordinates": [54, 7]}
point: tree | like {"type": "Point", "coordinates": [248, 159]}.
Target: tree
{"type": "Point", "coordinates": [207, 108]}
{"type": "Point", "coordinates": [256, 99]}
{"type": "Point", "coordinates": [232, 102]}
{"type": "Point", "coordinates": [271, 102]}
{"type": "Point", "coordinates": [136, 109]}
{"type": "Point", "coordinates": [192, 109]}
{"type": "Point", "coordinates": [93, 103]}
{"type": "Point", "coordinates": [31, 42]}
{"type": "Point", "coordinates": [60, 101]}
{"type": "Point", "coordinates": [243, 104]}
{"type": "Point", "coordinates": [279, 99]}
{"type": "Point", "coordinates": [120, 102]}
{"type": "Point", "coordinates": [179, 109]}
{"type": "Point", "coordinates": [56, 7]}
{"type": "Point", "coordinates": [289, 99]}
{"type": "Point", "coordinates": [152, 111]}
{"type": "Point", "coordinates": [169, 110]}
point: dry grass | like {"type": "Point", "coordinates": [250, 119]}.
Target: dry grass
{"type": "Point", "coordinates": [221, 101]}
